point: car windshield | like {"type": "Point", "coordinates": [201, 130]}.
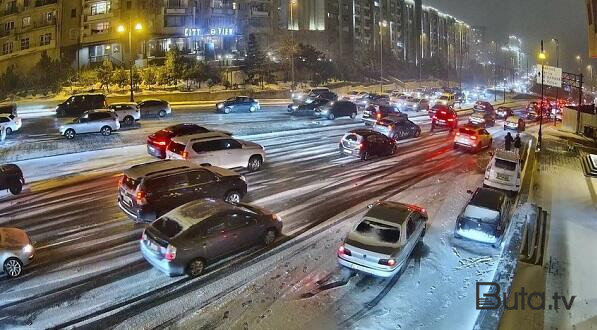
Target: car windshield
{"type": "Point", "coordinates": [505, 164]}
{"type": "Point", "coordinates": [467, 131]}
{"type": "Point", "coordinates": [167, 226]}
{"type": "Point", "coordinates": [481, 214]}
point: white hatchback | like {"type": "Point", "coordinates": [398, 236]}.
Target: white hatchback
{"type": "Point", "coordinates": [12, 123]}
{"type": "Point", "coordinates": [503, 171]}
{"type": "Point", "coordinates": [127, 112]}
{"type": "Point", "coordinates": [217, 149]}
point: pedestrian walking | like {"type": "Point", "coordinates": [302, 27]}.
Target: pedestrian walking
{"type": "Point", "coordinates": [517, 142]}
{"type": "Point", "coordinates": [508, 141]}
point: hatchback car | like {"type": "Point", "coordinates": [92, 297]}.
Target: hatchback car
{"type": "Point", "coordinates": [217, 149]}
{"type": "Point", "coordinates": [16, 251]}
{"type": "Point", "coordinates": [196, 234]}
{"type": "Point", "coordinates": [150, 190]}
{"type": "Point", "coordinates": [12, 123]}
{"type": "Point", "coordinates": [503, 171]}
{"type": "Point", "coordinates": [337, 109]}
{"type": "Point", "coordinates": [514, 123]}
{"type": "Point", "coordinates": [375, 112]}
{"type": "Point", "coordinates": [95, 121]}
{"type": "Point", "coordinates": [381, 243]}
{"type": "Point", "coordinates": [154, 107]}
{"type": "Point", "coordinates": [11, 178]}
{"type": "Point", "coordinates": [485, 119]}
{"type": "Point", "coordinates": [397, 128]}
{"type": "Point", "coordinates": [444, 117]}
{"type": "Point", "coordinates": [473, 138]}
{"type": "Point", "coordinates": [76, 105]}
{"type": "Point", "coordinates": [365, 143]}
{"type": "Point", "coordinates": [159, 141]}
{"type": "Point", "coordinates": [127, 112]}
{"type": "Point", "coordinates": [239, 103]}
{"type": "Point", "coordinates": [484, 218]}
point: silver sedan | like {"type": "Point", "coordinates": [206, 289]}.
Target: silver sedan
{"type": "Point", "coordinates": [16, 250]}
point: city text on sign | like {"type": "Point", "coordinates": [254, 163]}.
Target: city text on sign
{"type": "Point", "coordinates": [552, 76]}
{"type": "Point", "coordinates": [192, 32]}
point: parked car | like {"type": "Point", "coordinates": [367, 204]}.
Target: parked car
{"type": "Point", "coordinates": [298, 108]}
{"type": "Point", "coordinates": [444, 117]}
{"type": "Point", "coordinates": [11, 122]}
{"type": "Point", "coordinates": [365, 143]}
{"type": "Point", "coordinates": [150, 190]}
{"type": "Point", "coordinates": [154, 107]}
{"type": "Point", "coordinates": [483, 106]}
{"type": "Point", "coordinates": [76, 105]}
{"type": "Point", "coordinates": [238, 103]}
{"type": "Point", "coordinates": [94, 121]}
{"type": "Point", "coordinates": [196, 234]}
{"type": "Point", "coordinates": [374, 113]}
{"type": "Point", "coordinates": [127, 112]}
{"type": "Point", "coordinates": [484, 218]}
{"type": "Point", "coordinates": [397, 128]}
{"type": "Point", "coordinates": [503, 171]}
{"type": "Point", "coordinates": [503, 112]}
{"type": "Point", "coordinates": [473, 138]}
{"type": "Point", "coordinates": [11, 178]}
{"type": "Point", "coordinates": [159, 141]}
{"type": "Point", "coordinates": [217, 149]}
{"type": "Point", "coordinates": [337, 109]}
{"type": "Point", "coordinates": [484, 119]}
{"type": "Point", "coordinates": [395, 96]}
{"type": "Point", "coordinates": [381, 243]}
{"type": "Point", "coordinates": [16, 250]}
{"type": "Point", "coordinates": [514, 123]}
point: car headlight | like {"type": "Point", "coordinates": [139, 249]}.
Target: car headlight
{"type": "Point", "coordinates": [28, 248]}
{"type": "Point", "coordinates": [294, 107]}
{"type": "Point", "coordinates": [220, 105]}
{"type": "Point", "coordinates": [242, 177]}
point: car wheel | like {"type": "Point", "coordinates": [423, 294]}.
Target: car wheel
{"type": "Point", "coordinates": [195, 267]}
{"type": "Point", "coordinates": [269, 237]}
{"type": "Point", "coordinates": [162, 113]}
{"type": "Point", "coordinates": [106, 130]}
{"type": "Point", "coordinates": [227, 110]}
{"type": "Point", "coordinates": [232, 197]}
{"type": "Point", "coordinates": [394, 149]}
{"type": "Point", "coordinates": [252, 108]}
{"type": "Point", "coordinates": [8, 131]}
{"type": "Point", "coordinates": [128, 121]}
{"type": "Point", "coordinates": [70, 134]}
{"type": "Point", "coordinates": [15, 187]}
{"type": "Point", "coordinates": [13, 267]}
{"type": "Point", "coordinates": [418, 133]}
{"type": "Point", "coordinates": [331, 116]}
{"type": "Point", "coordinates": [353, 115]}
{"type": "Point", "coordinates": [254, 163]}
{"type": "Point", "coordinates": [365, 155]}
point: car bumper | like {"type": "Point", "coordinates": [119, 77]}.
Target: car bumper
{"type": "Point", "coordinates": [465, 145]}
{"type": "Point", "coordinates": [501, 185]}
{"type": "Point", "coordinates": [369, 270]}
{"type": "Point", "coordinates": [138, 215]}
{"type": "Point", "coordinates": [511, 127]}
{"type": "Point", "coordinates": [475, 235]}
{"type": "Point", "coordinates": [169, 268]}
{"type": "Point", "coordinates": [370, 121]}
{"type": "Point", "coordinates": [351, 152]}
{"type": "Point", "coordinates": [156, 152]}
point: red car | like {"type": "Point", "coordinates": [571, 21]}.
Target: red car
{"type": "Point", "coordinates": [445, 117]}
{"type": "Point", "coordinates": [159, 141]}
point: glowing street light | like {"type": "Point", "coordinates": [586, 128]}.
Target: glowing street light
{"type": "Point", "coordinates": [122, 29]}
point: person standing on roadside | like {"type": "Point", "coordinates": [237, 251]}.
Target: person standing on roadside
{"type": "Point", "coordinates": [508, 139]}
{"type": "Point", "coordinates": [517, 142]}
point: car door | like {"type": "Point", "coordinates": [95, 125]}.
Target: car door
{"type": "Point", "coordinates": [206, 152]}
{"type": "Point", "coordinates": [202, 185]}
{"type": "Point", "coordinates": [96, 121]}
{"type": "Point", "coordinates": [215, 238]}
{"type": "Point", "coordinates": [84, 123]}
{"type": "Point", "coordinates": [174, 190]}
{"type": "Point", "coordinates": [232, 154]}
{"type": "Point", "coordinates": [242, 228]}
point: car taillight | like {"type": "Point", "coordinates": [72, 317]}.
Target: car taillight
{"type": "Point", "coordinates": [457, 133]}
{"type": "Point", "coordinates": [450, 119]}
{"type": "Point", "coordinates": [343, 250]}
{"type": "Point", "coordinates": [473, 137]}
{"type": "Point", "coordinates": [379, 116]}
{"type": "Point", "coordinates": [170, 253]}
{"type": "Point", "coordinates": [360, 146]}
{"type": "Point", "coordinates": [160, 143]}
{"type": "Point", "coordinates": [144, 236]}
{"type": "Point", "coordinates": [387, 262]}
{"type": "Point", "coordinates": [140, 197]}
{"type": "Point", "coordinates": [185, 154]}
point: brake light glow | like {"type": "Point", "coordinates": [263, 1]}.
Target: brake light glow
{"type": "Point", "coordinates": [360, 146]}
{"type": "Point", "coordinates": [140, 195]}
{"type": "Point", "coordinates": [457, 133]}
{"type": "Point", "coordinates": [450, 119]}
{"type": "Point", "coordinates": [160, 143]}
{"type": "Point", "coordinates": [343, 250]}
{"type": "Point", "coordinates": [379, 116]}
{"type": "Point", "coordinates": [170, 253]}
{"type": "Point", "coordinates": [185, 154]}
{"type": "Point", "coordinates": [143, 236]}
{"type": "Point", "coordinates": [473, 137]}
{"type": "Point", "coordinates": [391, 262]}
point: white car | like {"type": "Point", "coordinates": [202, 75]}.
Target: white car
{"type": "Point", "coordinates": [217, 149]}
{"type": "Point", "coordinates": [16, 251]}
{"type": "Point", "coordinates": [127, 112]}
{"type": "Point", "coordinates": [503, 171]}
{"type": "Point", "coordinates": [94, 121]}
{"type": "Point", "coordinates": [11, 122]}
{"type": "Point", "coordinates": [446, 99]}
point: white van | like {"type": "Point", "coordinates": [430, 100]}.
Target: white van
{"type": "Point", "coordinates": [447, 99]}
{"type": "Point", "coordinates": [503, 171]}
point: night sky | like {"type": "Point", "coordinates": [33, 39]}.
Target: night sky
{"type": "Point", "coordinates": [531, 20]}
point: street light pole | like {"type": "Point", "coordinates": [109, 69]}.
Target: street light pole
{"type": "Point", "coordinates": [131, 59]}
{"type": "Point", "coordinates": [382, 24]}
{"type": "Point", "coordinates": [557, 42]}
{"type": "Point", "coordinates": [542, 58]}
{"type": "Point", "coordinates": [292, 3]}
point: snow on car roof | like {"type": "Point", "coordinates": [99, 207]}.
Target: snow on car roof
{"type": "Point", "coordinates": [141, 170]}
{"type": "Point", "coordinates": [507, 155]}
{"type": "Point", "coordinates": [194, 212]}
{"type": "Point", "coordinates": [488, 198]}
{"type": "Point", "coordinates": [390, 212]}
{"type": "Point", "coordinates": [199, 136]}
{"type": "Point", "coordinates": [484, 214]}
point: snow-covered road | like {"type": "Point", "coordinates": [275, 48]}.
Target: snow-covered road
{"type": "Point", "coordinates": [88, 269]}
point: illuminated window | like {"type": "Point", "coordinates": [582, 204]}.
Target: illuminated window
{"type": "Point", "coordinates": [101, 27]}
{"type": "Point", "coordinates": [45, 39]}
{"type": "Point", "coordinates": [26, 21]}
{"type": "Point", "coordinates": [99, 8]}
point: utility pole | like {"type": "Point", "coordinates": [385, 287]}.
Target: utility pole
{"type": "Point", "coordinates": [292, 4]}
{"type": "Point", "coordinates": [382, 24]}
{"type": "Point", "coordinates": [557, 42]}
{"type": "Point", "coordinates": [542, 58]}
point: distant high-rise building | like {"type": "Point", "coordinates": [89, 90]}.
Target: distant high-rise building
{"type": "Point", "coordinates": [479, 44]}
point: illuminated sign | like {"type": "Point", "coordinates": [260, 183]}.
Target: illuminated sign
{"type": "Point", "coordinates": [192, 32]}
{"type": "Point", "coordinates": [221, 31]}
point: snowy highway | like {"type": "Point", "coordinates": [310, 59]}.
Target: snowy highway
{"type": "Point", "coordinates": [88, 270]}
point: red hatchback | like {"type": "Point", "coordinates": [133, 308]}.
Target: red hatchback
{"type": "Point", "coordinates": [159, 141]}
{"type": "Point", "coordinates": [444, 117]}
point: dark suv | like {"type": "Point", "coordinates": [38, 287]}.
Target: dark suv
{"type": "Point", "coordinates": [75, 105]}
{"type": "Point", "coordinates": [150, 190]}
{"type": "Point", "coordinates": [159, 141]}
{"type": "Point", "coordinates": [337, 109]}
{"type": "Point", "coordinates": [11, 178]}
{"type": "Point", "coordinates": [198, 233]}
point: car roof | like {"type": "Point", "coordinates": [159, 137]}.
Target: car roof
{"type": "Point", "coordinates": [390, 212]}
{"type": "Point", "coordinates": [488, 198]}
{"type": "Point", "coordinates": [123, 103]}
{"type": "Point", "coordinates": [89, 94]}
{"type": "Point", "coordinates": [363, 131]}
{"type": "Point", "coordinates": [157, 100]}
{"type": "Point", "coordinates": [194, 212]}
{"type": "Point", "coordinates": [200, 136]}
{"type": "Point", "coordinates": [507, 155]}
{"type": "Point", "coordinates": [158, 167]}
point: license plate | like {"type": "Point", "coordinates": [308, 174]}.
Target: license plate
{"type": "Point", "coordinates": [347, 151]}
{"type": "Point", "coordinates": [126, 199]}
{"type": "Point", "coordinates": [152, 247]}
{"type": "Point", "coordinates": [503, 177]}
{"type": "Point", "coordinates": [358, 267]}
{"type": "Point", "coordinates": [442, 121]}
